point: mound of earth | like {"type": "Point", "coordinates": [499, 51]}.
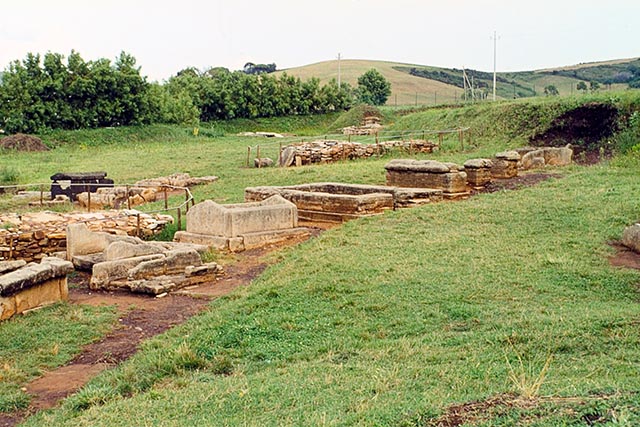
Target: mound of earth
{"type": "Point", "coordinates": [584, 128]}
{"type": "Point", "coordinates": [22, 142]}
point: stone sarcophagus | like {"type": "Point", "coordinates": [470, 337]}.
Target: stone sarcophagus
{"type": "Point", "coordinates": [478, 172]}
{"type": "Point", "coordinates": [338, 202]}
{"type": "Point", "coordinates": [448, 177]}
{"type": "Point", "coordinates": [25, 286]}
{"type": "Point", "coordinates": [236, 227]}
{"type": "Point", "coordinates": [72, 184]}
{"type": "Point", "coordinates": [505, 165]}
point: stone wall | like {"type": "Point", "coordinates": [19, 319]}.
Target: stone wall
{"type": "Point", "coordinates": [337, 202]}
{"type": "Point", "coordinates": [33, 236]}
{"type": "Point", "coordinates": [327, 151]}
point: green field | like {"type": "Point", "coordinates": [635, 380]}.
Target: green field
{"type": "Point", "coordinates": [388, 321]}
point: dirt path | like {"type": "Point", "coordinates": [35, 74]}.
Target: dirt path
{"type": "Point", "coordinates": [140, 317]}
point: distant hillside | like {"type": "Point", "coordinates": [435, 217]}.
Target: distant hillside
{"type": "Point", "coordinates": [445, 85]}
{"type": "Point", "coordinates": [404, 87]}
{"type": "Point", "coordinates": [609, 72]}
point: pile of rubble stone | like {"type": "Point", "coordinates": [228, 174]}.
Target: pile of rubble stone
{"type": "Point", "coordinates": [327, 151]}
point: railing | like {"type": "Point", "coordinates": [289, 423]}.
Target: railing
{"type": "Point", "coordinates": [10, 237]}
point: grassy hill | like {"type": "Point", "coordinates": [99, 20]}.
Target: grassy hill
{"type": "Point", "coordinates": [404, 87]}
{"type": "Point", "coordinates": [435, 85]}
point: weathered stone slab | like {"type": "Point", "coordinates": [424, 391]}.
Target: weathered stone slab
{"type": "Point", "coordinates": [33, 285]}
{"type": "Point", "coordinates": [211, 218]}
{"type": "Point", "coordinates": [447, 177]}
{"type": "Point", "coordinates": [107, 271]}
{"type": "Point", "coordinates": [86, 262]}
{"type": "Point", "coordinates": [631, 237]}
{"type": "Point", "coordinates": [7, 266]}
{"type": "Point", "coordinates": [82, 241]}
{"type": "Point", "coordinates": [121, 249]}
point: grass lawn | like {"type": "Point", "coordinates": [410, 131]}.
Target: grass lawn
{"type": "Point", "coordinates": [388, 320]}
{"type": "Point", "coordinates": [45, 339]}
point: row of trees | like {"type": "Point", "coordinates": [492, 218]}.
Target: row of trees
{"type": "Point", "coordinates": [49, 92]}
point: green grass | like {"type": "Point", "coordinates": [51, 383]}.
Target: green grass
{"type": "Point", "coordinates": [43, 340]}
{"type": "Point", "coordinates": [388, 320]}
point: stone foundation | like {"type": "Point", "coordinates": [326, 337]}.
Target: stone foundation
{"type": "Point", "coordinates": [338, 202]}
{"type": "Point", "coordinates": [24, 287]}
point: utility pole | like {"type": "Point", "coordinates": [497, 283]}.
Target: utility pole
{"type": "Point", "coordinates": [495, 42]}
{"type": "Point", "coordinates": [339, 71]}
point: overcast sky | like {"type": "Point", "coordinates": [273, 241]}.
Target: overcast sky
{"type": "Point", "coordinates": [167, 36]}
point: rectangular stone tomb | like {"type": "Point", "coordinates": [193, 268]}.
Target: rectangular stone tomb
{"type": "Point", "coordinates": [448, 177]}
{"type": "Point", "coordinates": [241, 226]}
{"type": "Point", "coordinates": [25, 286]}
{"type": "Point", "coordinates": [338, 202]}
{"type": "Point", "coordinates": [72, 184]}
{"type": "Point", "coordinates": [505, 165]}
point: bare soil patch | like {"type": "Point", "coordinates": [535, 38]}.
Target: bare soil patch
{"type": "Point", "coordinates": [23, 142]}
{"type": "Point", "coordinates": [624, 257]}
{"type": "Point", "coordinates": [518, 182]}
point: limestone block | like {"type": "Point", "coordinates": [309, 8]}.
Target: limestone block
{"type": "Point", "coordinates": [82, 241]}
{"type": "Point", "coordinates": [120, 250]}
{"type": "Point", "coordinates": [504, 168]}
{"type": "Point", "coordinates": [48, 292]}
{"type": "Point", "coordinates": [448, 177]}
{"type": "Point", "coordinates": [104, 272]}
{"type": "Point", "coordinates": [211, 218]}
{"type": "Point", "coordinates": [263, 162]}
{"type": "Point", "coordinates": [631, 237]}
{"type": "Point", "coordinates": [558, 156]}
{"type": "Point", "coordinates": [178, 259]}
{"type": "Point", "coordinates": [533, 160]}
{"type": "Point", "coordinates": [478, 172]}
{"type": "Point", "coordinates": [146, 269]}
{"type": "Point", "coordinates": [24, 278]}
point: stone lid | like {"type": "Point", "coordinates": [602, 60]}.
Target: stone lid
{"type": "Point", "coordinates": [508, 155]}
{"type": "Point", "coordinates": [73, 176]}
{"type": "Point", "coordinates": [430, 166]}
{"type": "Point", "coordinates": [478, 163]}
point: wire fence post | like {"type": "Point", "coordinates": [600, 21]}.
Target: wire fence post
{"type": "Point", "coordinates": [41, 195]}
{"type": "Point", "coordinates": [166, 199]}
{"type": "Point", "coordinates": [179, 220]}
{"type": "Point", "coordinates": [280, 154]}
{"type": "Point", "coordinates": [258, 155]}
{"type": "Point", "coordinates": [137, 225]}
{"type": "Point", "coordinates": [86, 188]}
{"type": "Point", "coordinates": [248, 155]}
{"type": "Point", "coordinates": [186, 199]}
{"type": "Point", "coordinates": [461, 138]}
{"type": "Point", "coordinates": [128, 198]}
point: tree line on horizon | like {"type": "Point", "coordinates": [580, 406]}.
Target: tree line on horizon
{"type": "Point", "coordinates": [47, 92]}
